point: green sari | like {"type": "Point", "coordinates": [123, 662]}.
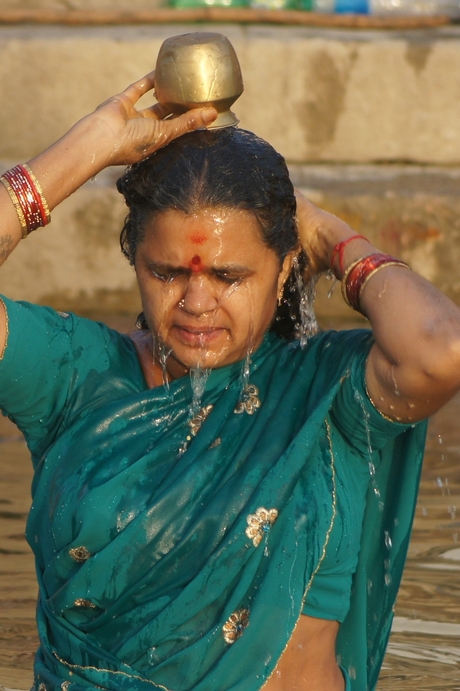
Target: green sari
{"type": "Point", "coordinates": [176, 549]}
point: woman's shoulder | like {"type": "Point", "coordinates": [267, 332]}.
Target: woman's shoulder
{"type": "Point", "coordinates": [328, 346]}
{"type": "Point", "coordinates": [32, 323]}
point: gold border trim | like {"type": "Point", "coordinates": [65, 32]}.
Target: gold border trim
{"type": "Point", "coordinates": [109, 671]}
{"type": "Point", "coordinates": [385, 417]}
{"type": "Point", "coordinates": [2, 354]}
{"type": "Point", "coordinates": [326, 542]}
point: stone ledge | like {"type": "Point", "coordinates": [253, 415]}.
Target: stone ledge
{"type": "Point", "coordinates": [318, 95]}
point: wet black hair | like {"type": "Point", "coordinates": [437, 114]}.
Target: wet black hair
{"type": "Point", "coordinates": [227, 168]}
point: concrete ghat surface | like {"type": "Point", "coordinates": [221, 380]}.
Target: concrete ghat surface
{"type": "Point", "coordinates": [316, 94]}
{"type": "Point", "coordinates": [412, 212]}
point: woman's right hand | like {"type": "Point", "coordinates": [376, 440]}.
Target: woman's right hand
{"type": "Point", "coordinates": [129, 135]}
{"type": "Point", "coordinates": [116, 133]}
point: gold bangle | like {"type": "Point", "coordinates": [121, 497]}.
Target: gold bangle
{"type": "Point", "coordinates": [40, 192]}
{"type": "Point", "coordinates": [396, 262]}
{"type": "Point", "coordinates": [17, 206]}
{"type": "Point", "coordinates": [343, 281]}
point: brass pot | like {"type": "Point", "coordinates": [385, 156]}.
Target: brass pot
{"type": "Point", "coordinates": [199, 69]}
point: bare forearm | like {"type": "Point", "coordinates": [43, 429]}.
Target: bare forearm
{"type": "Point", "coordinates": [61, 170]}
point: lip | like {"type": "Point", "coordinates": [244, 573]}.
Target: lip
{"type": "Point", "coordinates": [198, 337]}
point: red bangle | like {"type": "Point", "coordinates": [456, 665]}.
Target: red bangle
{"type": "Point", "coordinates": [27, 196]}
{"type": "Point", "coordinates": [359, 272]}
{"type": "Point", "coordinates": [339, 249]}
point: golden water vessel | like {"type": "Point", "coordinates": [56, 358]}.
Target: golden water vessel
{"type": "Point", "coordinates": [199, 69]}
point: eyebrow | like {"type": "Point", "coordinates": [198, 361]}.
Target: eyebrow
{"type": "Point", "coordinates": [225, 268]}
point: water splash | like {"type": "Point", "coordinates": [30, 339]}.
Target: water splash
{"type": "Point", "coordinates": [198, 378]}
{"type": "Point", "coordinates": [329, 275]}
{"type": "Point", "coordinates": [307, 291]}
{"type": "Point", "coordinates": [163, 355]}
{"type": "Point", "coordinates": [371, 466]}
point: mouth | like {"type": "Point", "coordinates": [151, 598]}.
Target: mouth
{"type": "Point", "coordinates": [198, 337]}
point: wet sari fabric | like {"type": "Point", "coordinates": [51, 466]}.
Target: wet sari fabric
{"type": "Point", "coordinates": [177, 539]}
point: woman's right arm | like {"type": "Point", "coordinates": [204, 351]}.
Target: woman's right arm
{"type": "Point", "coordinates": [116, 133]}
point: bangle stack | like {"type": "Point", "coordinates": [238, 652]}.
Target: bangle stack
{"type": "Point", "coordinates": [358, 274]}
{"type": "Point", "coordinates": [27, 196]}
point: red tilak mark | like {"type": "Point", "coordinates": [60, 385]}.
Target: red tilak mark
{"type": "Point", "coordinates": [198, 239]}
{"type": "Point", "coordinates": [196, 264]}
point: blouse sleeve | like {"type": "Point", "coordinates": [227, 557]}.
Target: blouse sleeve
{"type": "Point", "coordinates": [362, 425]}
{"type": "Point", "coordinates": [47, 355]}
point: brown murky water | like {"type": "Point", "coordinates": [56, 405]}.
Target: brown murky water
{"type": "Point", "coordinates": [424, 651]}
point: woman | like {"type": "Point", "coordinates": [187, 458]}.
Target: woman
{"type": "Point", "coordinates": [242, 526]}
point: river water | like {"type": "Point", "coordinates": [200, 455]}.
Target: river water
{"type": "Point", "coordinates": [424, 650]}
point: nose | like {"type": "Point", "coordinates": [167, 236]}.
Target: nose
{"type": "Point", "coordinates": [199, 296]}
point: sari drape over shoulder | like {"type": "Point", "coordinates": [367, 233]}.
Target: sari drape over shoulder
{"type": "Point", "coordinates": [177, 537]}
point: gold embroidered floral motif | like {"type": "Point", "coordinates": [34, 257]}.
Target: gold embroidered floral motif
{"type": "Point", "coordinates": [250, 400]}
{"type": "Point", "coordinates": [65, 685]}
{"type": "Point", "coordinates": [81, 602]}
{"type": "Point", "coordinates": [235, 625]}
{"type": "Point", "coordinates": [42, 687]}
{"type": "Point", "coordinates": [215, 443]}
{"type": "Point", "coordinates": [259, 523]}
{"type": "Point", "coordinates": [198, 419]}
{"type": "Point", "coordinates": [80, 554]}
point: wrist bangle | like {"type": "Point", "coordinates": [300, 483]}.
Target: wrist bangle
{"type": "Point", "coordinates": [339, 249]}
{"type": "Point", "coordinates": [358, 274]}
{"type": "Point", "coordinates": [27, 196]}
{"type": "Point", "coordinates": [17, 206]}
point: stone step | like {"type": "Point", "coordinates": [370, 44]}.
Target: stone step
{"type": "Point", "coordinates": [317, 94]}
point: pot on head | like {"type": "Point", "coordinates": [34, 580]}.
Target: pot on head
{"type": "Point", "coordinates": [199, 69]}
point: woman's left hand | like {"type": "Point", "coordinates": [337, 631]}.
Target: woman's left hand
{"type": "Point", "coordinates": [319, 231]}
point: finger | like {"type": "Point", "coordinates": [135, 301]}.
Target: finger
{"type": "Point", "coordinates": [195, 119]}
{"type": "Point", "coordinates": [158, 111]}
{"type": "Point", "coordinates": [137, 89]}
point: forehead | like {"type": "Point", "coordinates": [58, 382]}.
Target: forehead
{"type": "Point", "coordinates": [210, 233]}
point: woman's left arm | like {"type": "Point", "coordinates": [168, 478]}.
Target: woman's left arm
{"type": "Point", "coordinates": [414, 366]}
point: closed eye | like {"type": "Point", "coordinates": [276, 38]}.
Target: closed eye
{"type": "Point", "coordinates": [230, 277]}
{"type": "Point", "coordinates": [165, 275]}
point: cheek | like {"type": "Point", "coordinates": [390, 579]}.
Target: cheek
{"type": "Point", "coordinates": [158, 298]}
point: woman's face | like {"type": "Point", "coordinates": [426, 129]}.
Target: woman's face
{"type": "Point", "coordinates": [209, 285]}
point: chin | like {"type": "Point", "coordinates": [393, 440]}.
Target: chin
{"type": "Point", "coordinates": [204, 359]}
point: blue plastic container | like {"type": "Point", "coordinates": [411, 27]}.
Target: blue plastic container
{"type": "Point", "coordinates": [355, 6]}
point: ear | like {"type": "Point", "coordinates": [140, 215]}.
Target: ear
{"type": "Point", "coordinates": [286, 269]}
